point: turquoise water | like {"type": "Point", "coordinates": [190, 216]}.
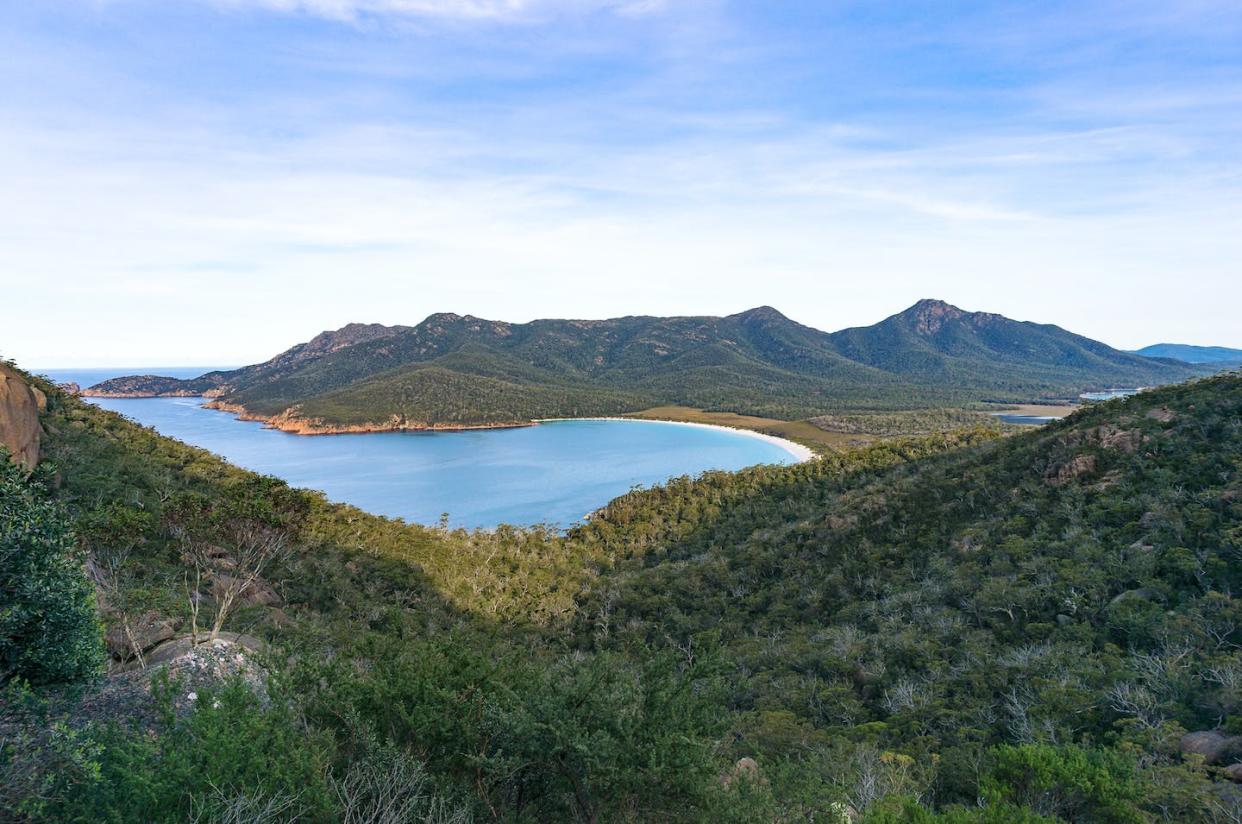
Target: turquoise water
{"type": "Point", "coordinates": [552, 473]}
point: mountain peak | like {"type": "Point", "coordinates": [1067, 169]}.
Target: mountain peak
{"type": "Point", "coordinates": [759, 313]}
{"type": "Point", "coordinates": [930, 315]}
{"type": "Point", "coordinates": [348, 335]}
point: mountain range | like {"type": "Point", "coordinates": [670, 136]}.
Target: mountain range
{"type": "Point", "coordinates": [1186, 353]}
{"type": "Point", "coordinates": [455, 371]}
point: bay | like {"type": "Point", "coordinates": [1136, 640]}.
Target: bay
{"type": "Point", "coordinates": [553, 473]}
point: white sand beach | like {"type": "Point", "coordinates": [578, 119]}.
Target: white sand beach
{"type": "Point", "coordinates": [800, 452]}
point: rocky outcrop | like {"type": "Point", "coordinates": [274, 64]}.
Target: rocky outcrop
{"type": "Point", "coordinates": [1076, 467]}
{"type": "Point", "coordinates": [746, 770]}
{"type": "Point", "coordinates": [258, 592]}
{"type": "Point", "coordinates": [1114, 437]}
{"type": "Point", "coordinates": [142, 635]}
{"type": "Point", "coordinates": [179, 647]}
{"type": "Point", "coordinates": [20, 432]}
{"type": "Point", "coordinates": [1213, 745]}
{"type": "Point", "coordinates": [1141, 594]}
{"type": "Point", "coordinates": [125, 695]}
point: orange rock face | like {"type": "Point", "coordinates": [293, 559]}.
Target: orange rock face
{"type": "Point", "coordinates": [19, 417]}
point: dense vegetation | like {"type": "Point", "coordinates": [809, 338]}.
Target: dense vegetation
{"type": "Point", "coordinates": [451, 369]}
{"type": "Point", "coordinates": [49, 631]}
{"type": "Point", "coordinates": [920, 422]}
{"type": "Point", "coordinates": [965, 628]}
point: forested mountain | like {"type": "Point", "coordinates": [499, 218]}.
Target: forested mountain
{"type": "Point", "coordinates": [959, 628]}
{"type": "Point", "coordinates": [934, 342]}
{"type": "Point", "coordinates": [462, 370]}
{"type": "Point", "coordinates": [1193, 354]}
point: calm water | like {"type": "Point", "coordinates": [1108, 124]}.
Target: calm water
{"type": "Point", "coordinates": [1109, 394]}
{"type": "Point", "coordinates": [1026, 420]}
{"type": "Point", "coordinates": [551, 473]}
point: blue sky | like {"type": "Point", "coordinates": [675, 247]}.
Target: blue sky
{"type": "Point", "coordinates": [210, 181]}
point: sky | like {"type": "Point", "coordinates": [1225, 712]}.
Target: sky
{"type": "Point", "coordinates": [188, 182]}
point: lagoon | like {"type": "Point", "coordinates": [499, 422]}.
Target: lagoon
{"type": "Point", "coordinates": [553, 473]}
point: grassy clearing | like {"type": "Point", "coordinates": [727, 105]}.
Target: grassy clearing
{"type": "Point", "coordinates": [802, 432]}
{"type": "Point", "coordinates": [1037, 409]}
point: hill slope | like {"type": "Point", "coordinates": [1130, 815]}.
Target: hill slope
{"type": "Point", "coordinates": [462, 370]}
{"type": "Point", "coordinates": [1016, 629]}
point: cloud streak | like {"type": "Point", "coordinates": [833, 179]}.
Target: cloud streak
{"type": "Point", "coordinates": [464, 10]}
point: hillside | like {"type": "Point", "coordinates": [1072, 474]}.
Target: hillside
{"type": "Point", "coordinates": [956, 628]}
{"type": "Point", "coordinates": [453, 370]}
{"type": "Point", "coordinates": [1193, 354]}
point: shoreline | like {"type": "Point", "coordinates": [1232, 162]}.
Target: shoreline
{"type": "Point", "coordinates": [801, 453]}
{"type": "Point", "coordinates": [305, 426]}
{"type": "Point", "coordinates": [292, 425]}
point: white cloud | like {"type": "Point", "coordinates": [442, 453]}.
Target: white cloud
{"type": "Point", "coordinates": [359, 178]}
{"type": "Point", "coordinates": [195, 240]}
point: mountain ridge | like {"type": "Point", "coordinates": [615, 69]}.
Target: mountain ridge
{"type": "Point", "coordinates": [455, 370]}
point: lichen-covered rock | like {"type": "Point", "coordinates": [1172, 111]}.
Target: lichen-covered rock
{"type": "Point", "coordinates": [1162, 414]}
{"type": "Point", "coordinates": [179, 647]}
{"type": "Point", "coordinates": [145, 632]}
{"type": "Point", "coordinates": [1114, 437]}
{"type": "Point", "coordinates": [19, 417]}
{"type": "Point", "coordinates": [1076, 467]}
{"type": "Point", "coordinates": [746, 769]}
{"type": "Point", "coordinates": [126, 697]}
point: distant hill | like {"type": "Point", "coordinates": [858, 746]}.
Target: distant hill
{"type": "Point", "coordinates": [458, 370]}
{"type": "Point", "coordinates": [1193, 354]}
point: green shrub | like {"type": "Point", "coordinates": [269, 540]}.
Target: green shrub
{"type": "Point", "coordinates": [228, 755]}
{"type": "Point", "coordinates": [49, 626]}
{"type": "Point", "coordinates": [1068, 782]}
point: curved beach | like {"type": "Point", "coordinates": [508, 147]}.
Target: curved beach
{"type": "Point", "coordinates": [800, 452]}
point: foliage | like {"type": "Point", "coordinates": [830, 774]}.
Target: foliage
{"type": "Point", "coordinates": [965, 628]}
{"type": "Point", "coordinates": [230, 745]}
{"type": "Point", "coordinates": [920, 422]}
{"type": "Point", "coordinates": [1070, 783]}
{"type": "Point", "coordinates": [49, 629]}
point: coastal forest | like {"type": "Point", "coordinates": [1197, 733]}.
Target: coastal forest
{"type": "Point", "coordinates": [460, 371]}
{"type": "Point", "coordinates": [964, 626]}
